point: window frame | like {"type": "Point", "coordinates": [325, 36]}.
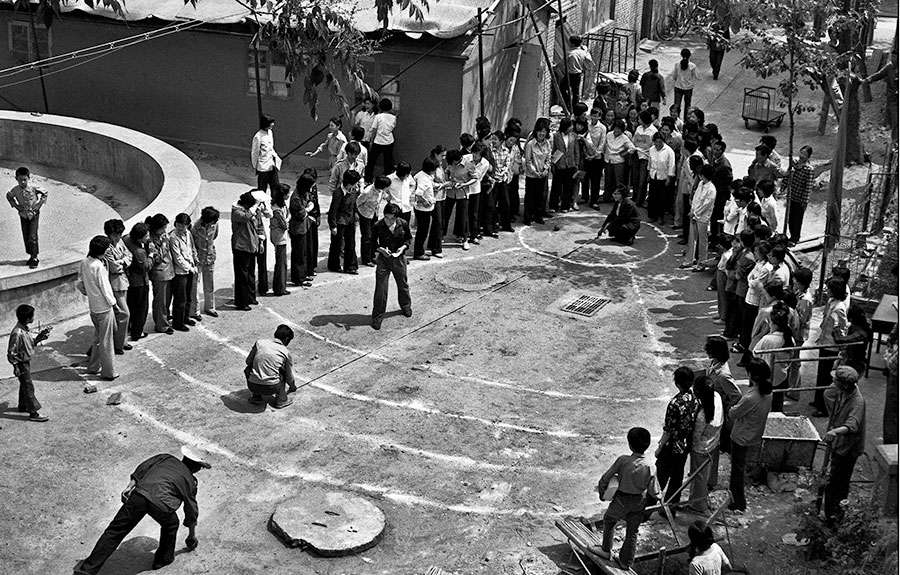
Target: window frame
{"type": "Point", "coordinates": [373, 69]}
{"type": "Point", "coordinates": [266, 63]}
{"type": "Point", "coordinates": [25, 25]}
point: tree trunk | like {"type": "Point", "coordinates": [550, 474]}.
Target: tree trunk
{"type": "Point", "coordinates": [855, 149]}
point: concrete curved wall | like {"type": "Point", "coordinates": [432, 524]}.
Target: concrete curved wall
{"type": "Point", "coordinates": [166, 177]}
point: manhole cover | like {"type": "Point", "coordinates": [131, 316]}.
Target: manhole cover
{"type": "Point", "coordinates": [586, 305]}
{"type": "Point", "coordinates": [469, 279]}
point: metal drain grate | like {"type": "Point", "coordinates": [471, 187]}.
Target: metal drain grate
{"type": "Point", "coordinates": [586, 305]}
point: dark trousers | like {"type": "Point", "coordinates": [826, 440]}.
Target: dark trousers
{"type": "Point", "coordinates": [28, 403]}
{"type": "Point", "coordinates": [656, 208]}
{"type": "Point", "coordinates": [732, 314]}
{"type": "Point", "coordinates": [778, 398]}
{"type": "Point", "coordinates": [614, 177]}
{"type": "Point", "coordinates": [575, 89]}
{"type": "Point", "coordinates": [423, 228]}
{"type": "Point", "coordinates": [838, 487]}
{"type": "Point", "coordinates": [377, 150]}
{"type": "Point", "coordinates": [715, 62]}
{"type": "Point", "coordinates": [180, 301]}
{"type": "Point", "coordinates": [533, 209]}
{"type": "Point", "coordinates": [640, 177]}
{"type": "Point", "coordinates": [514, 195]}
{"type": "Point", "coordinates": [748, 316]}
{"type": "Point", "coordinates": [385, 267]}
{"type": "Point", "coordinates": [366, 241]}
{"type": "Point", "coordinates": [473, 211]}
{"type": "Point", "coordinates": [129, 515]}
{"type": "Point", "coordinates": [267, 179]}
{"type": "Point", "coordinates": [258, 391]}
{"type": "Point", "coordinates": [343, 242]}
{"type": "Point", "coordinates": [243, 284]}
{"type": "Point", "coordinates": [162, 299]}
{"type": "Point", "coordinates": [138, 303]}
{"type": "Point", "coordinates": [590, 187]}
{"type": "Point", "coordinates": [686, 95]}
{"type": "Point", "coordinates": [504, 213]}
{"type": "Point", "coordinates": [461, 221]}
{"type": "Point", "coordinates": [823, 376]}
{"type": "Point", "coordinates": [562, 189]}
{"type": "Point", "coordinates": [670, 469]}
{"type": "Point", "coordinates": [30, 234]}
{"type": "Point", "coordinates": [889, 421]}
{"type": "Point", "coordinates": [738, 475]}
{"type": "Point", "coordinates": [312, 249]}
{"type": "Point", "coordinates": [279, 278]}
{"type": "Point", "coordinates": [262, 273]}
{"type": "Point", "coordinates": [436, 232]}
{"type": "Point", "coordinates": [630, 508]}
{"type": "Point", "coordinates": [298, 258]}
{"type": "Point", "coordinates": [486, 207]}
{"type": "Point", "coordinates": [795, 220]}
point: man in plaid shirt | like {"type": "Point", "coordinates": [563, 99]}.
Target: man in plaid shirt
{"type": "Point", "coordinates": [502, 145]}
{"type": "Point", "coordinates": [799, 187]}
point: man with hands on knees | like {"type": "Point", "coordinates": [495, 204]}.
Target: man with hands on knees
{"type": "Point", "coordinates": [157, 488]}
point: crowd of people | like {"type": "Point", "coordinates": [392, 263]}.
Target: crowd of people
{"type": "Point", "coordinates": [619, 150]}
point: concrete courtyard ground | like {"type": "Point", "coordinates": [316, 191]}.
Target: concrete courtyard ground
{"type": "Point", "coordinates": [473, 425]}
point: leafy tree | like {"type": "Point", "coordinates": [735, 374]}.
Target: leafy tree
{"type": "Point", "coordinates": [782, 42]}
{"type": "Point", "coordinates": [320, 43]}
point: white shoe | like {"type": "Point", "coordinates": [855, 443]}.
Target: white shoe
{"type": "Point", "coordinates": [465, 245]}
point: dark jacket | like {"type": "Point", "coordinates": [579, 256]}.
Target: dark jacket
{"type": "Point", "coordinates": [342, 211]}
{"type": "Point", "coordinates": [391, 240]}
{"type": "Point", "coordinates": [244, 237]}
{"type": "Point", "coordinates": [299, 223]}
{"type": "Point", "coordinates": [626, 217]}
{"type": "Point", "coordinates": [653, 87]}
{"type": "Point", "coordinates": [138, 271]}
{"type": "Point", "coordinates": [167, 482]}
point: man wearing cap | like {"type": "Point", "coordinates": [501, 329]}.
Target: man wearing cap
{"type": "Point", "coordinates": [269, 369]}
{"type": "Point", "coordinates": [846, 433]}
{"type": "Point", "coordinates": [157, 488]}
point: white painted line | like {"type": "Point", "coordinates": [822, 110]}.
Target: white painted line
{"type": "Point", "coordinates": [419, 264]}
{"type": "Point", "coordinates": [317, 477]}
{"type": "Point", "coordinates": [414, 406]}
{"type": "Point", "coordinates": [625, 265]}
{"type": "Point", "coordinates": [444, 373]}
{"type": "Point", "coordinates": [220, 339]}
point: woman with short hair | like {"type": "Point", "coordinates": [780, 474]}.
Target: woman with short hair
{"type": "Point", "coordinates": [278, 227]}
{"type": "Point", "coordinates": [749, 415]}
{"type": "Point", "coordinates": [832, 328]}
{"type": "Point", "coordinates": [244, 247]}
{"type": "Point", "coordinates": [707, 428]}
{"type": "Point", "coordinates": [138, 296]}
{"type": "Point", "coordinates": [184, 261]}
{"type": "Point", "coordinates": [707, 558]}
{"type": "Point", "coordinates": [537, 160]}
{"type": "Point", "coordinates": [205, 233]}
{"type": "Point", "coordinates": [118, 258]}
{"type": "Point", "coordinates": [161, 272]}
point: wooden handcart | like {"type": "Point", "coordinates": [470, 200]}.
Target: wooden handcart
{"type": "Point", "coordinates": [759, 107]}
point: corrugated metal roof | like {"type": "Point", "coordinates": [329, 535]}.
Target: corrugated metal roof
{"type": "Point", "coordinates": [444, 18]}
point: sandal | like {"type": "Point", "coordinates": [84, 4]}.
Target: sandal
{"type": "Point", "coordinates": [686, 265]}
{"type": "Point", "coordinates": [698, 268]}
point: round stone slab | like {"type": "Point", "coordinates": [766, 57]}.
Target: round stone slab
{"type": "Point", "coordinates": [331, 523]}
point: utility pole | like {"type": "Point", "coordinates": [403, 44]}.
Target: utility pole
{"type": "Point", "coordinates": [565, 51]}
{"type": "Point", "coordinates": [547, 61]}
{"type": "Point", "coordinates": [37, 56]}
{"type": "Point", "coordinates": [259, 107]}
{"type": "Point", "coordinates": [480, 64]}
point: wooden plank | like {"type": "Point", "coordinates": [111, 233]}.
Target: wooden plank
{"type": "Point", "coordinates": [581, 539]}
{"type": "Point", "coordinates": [436, 571]}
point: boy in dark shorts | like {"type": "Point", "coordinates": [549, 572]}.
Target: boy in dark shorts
{"type": "Point", "coordinates": [636, 482]}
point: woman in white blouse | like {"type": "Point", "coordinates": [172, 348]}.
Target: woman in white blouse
{"type": "Point", "coordinates": [834, 323]}
{"type": "Point", "coordinates": [684, 76]}
{"type": "Point", "coordinates": [707, 426]}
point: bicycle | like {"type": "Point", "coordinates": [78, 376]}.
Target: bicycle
{"type": "Point", "coordinates": [685, 16]}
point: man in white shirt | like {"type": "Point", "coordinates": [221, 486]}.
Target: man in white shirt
{"type": "Point", "coordinates": [263, 157]}
{"type": "Point", "coordinates": [382, 140]}
{"type": "Point", "coordinates": [478, 164]}
{"type": "Point", "coordinates": [579, 62]}
{"type": "Point", "coordinates": [401, 189]}
{"type": "Point", "coordinates": [594, 166]}
{"type": "Point", "coordinates": [643, 141]}
{"type": "Point", "coordinates": [661, 172]}
{"type": "Point", "coordinates": [93, 281]}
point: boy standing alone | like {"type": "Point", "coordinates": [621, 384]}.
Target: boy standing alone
{"type": "Point", "coordinates": [21, 348]}
{"type": "Point", "coordinates": [28, 201]}
{"type": "Point", "coordinates": [636, 481]}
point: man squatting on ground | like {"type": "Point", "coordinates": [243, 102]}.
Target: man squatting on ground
{"type": "Point", "coordinates": [269, 369]}
{"type": "Point", "coordinates": [157, 488]}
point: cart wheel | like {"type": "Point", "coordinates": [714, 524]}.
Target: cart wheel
{"type": "Point", "coordinates": [746, 123]}
{"type": "Point", "coordinates": [667, 28]}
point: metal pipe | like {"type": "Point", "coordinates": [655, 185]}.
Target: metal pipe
{"type": "Point", "coordinates": [548, 62]}
{"type": "Point", "coordinates": [480, 65]}
{"type": "Point", "coordinates": [802, 348]}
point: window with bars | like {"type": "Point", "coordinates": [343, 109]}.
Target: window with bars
{"type": "Point", "coordinates": [21, 42]}
{"type": "Point", "coordinates": [272, 74]}
{"type": "Point", "coordinates": [376, 74]}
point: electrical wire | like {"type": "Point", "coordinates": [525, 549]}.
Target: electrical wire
{"type": "Point", "coordinates": [517, 20]}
